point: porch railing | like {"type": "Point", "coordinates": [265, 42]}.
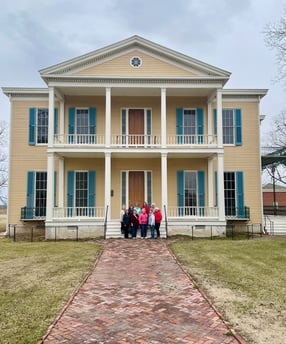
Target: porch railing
{"type": "Point", "coordinates": [192, 211]}
{"type": "Point", "coordinates": [78, 212]}
{"type": "Point", "coordinates": [79, 139]}
{"type": "Point", "coordinates": [135, 140]}
{"type": "Point", "coordinates": [190, 140]}
{"type": "Point", "coordinates": [238, 213]}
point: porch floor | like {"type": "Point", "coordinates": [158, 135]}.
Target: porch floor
{"type": "Point", "coordinates": [137, 293]}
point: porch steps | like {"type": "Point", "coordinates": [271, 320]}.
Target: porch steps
{"type": "Point", "coordinates": [278, 227]}
{"type": "Point", "coordinates": [113, 230]}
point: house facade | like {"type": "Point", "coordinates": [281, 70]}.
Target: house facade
{"type": "Point", "coordinates": [128, 123]}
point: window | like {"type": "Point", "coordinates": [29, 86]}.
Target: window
{"type": "Point", "coordinates": [39, 125]}
{"type": "Point", "coordinates": [228, 126]}
{"type": "Point", "coordinates": [42, 126]}
{"type": "Point", "coordinates": [41, 193]}
{"type": "Point", "coordinates": [81, 193]}
{"type": "Point", "coordinates": [232, 126]}
{"type": "Point", "coordinates": [82, 125]}
{"type": "Point", "coordinates": [81, 189]}
{"type": "Point", "coordinates": [190, 126]}
{"type": "Point", "coordinates": [229, 193]}
{"type": "Point", "coordinates": [191, 193]}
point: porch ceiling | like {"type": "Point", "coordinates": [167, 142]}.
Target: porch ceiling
{"type": "Point", "coordinates": [132, 154]}
{"type": "Point", "coordinates": [134, 91]}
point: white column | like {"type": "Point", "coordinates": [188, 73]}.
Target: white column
{"type": "Point", "coordinates": [108, 183]}
{"type": "Point", "coordinates": [50, 187]}
{"type": "Point", "coordinates": [219, 117]}
{"type": "Point", "coordinates": [163, 117]}
{"type": "Point", "coordinates": [220, 186]}
{"type": "Point", "coordinates": [164, 181]}
{"type": "Point", "coordinates": [210, 183]}
{"type": "Point", "coordinates": [210, 127]}
{"type": "Point", "coordinates": [107, 116]}
{"type": "Point", "coordinates": [51, 117]}
{"type": "Point", "coordinates": [61, 183]}
{"type": "Point", "coordinates": [62, 120]}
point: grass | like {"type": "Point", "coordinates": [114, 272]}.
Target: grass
{"type": "Point", "coordinates": [36, 280]}
{"type": "Point", "coordinates": [3, 222]}
{"type": "Point", "coordinates": [246, 280]}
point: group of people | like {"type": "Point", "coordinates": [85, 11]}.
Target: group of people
{"type": "Point", "coordinates": [144, 217]}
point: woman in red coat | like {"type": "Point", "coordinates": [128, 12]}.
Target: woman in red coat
{"type": "Point", "coordinates": [158, 219]}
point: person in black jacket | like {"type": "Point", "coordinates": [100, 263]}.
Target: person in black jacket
{"type": "Point", "coordinates": [126, 223]}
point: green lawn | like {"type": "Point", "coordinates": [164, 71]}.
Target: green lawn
{"type": "Point", "coordinates": [245, 279]}
{"type": "Point", "coordinates": [36, 280]}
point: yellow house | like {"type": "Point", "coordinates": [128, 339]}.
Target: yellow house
{"type": "Point", "coordinates": [128, 123]}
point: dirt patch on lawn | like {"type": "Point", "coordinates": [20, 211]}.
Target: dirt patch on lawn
{"type": "Point", "coordinates": [263, 323]}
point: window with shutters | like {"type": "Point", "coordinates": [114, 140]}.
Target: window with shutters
{"type": "Point", "coordinates": [42, 126]}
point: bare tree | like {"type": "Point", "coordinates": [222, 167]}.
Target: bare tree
{"type": "Point", "coordinates": [275, 37]}
{"type": "Point", "coordinates": [3, 161]}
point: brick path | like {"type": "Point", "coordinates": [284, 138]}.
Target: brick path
{"type": "Point", "coordinates": [137, 293]}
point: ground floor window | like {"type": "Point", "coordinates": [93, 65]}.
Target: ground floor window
{"type": "Point", "coordinates": [190, 196]}
{"type": "Point", "coordinates": [229, 194]}
{"type": "Point", "coordinates": [234, 194]}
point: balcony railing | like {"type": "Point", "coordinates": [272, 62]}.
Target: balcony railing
{"type": "Point", "coordinates": [79, 139]}
{"type": "Point", "coordinates": [78, 212]}
{"type": "Point", "coordinates": [192, 211]}
{"type": "Point", "coordinates": [237, 213]}
{"type": "Point", "coordinates": [135, 140]}
{"type": "Point", "coordinates": [191, 140]}
{"type": "Point", "coordinates": [33, 214]}
{"type": "Point", "coordinates": [120, 140]}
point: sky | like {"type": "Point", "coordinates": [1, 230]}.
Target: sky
{"type": "Point", "coordinates": [227, 34]}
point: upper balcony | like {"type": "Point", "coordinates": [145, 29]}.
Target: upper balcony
{"type": "Point", "coordinates": [135, 141]}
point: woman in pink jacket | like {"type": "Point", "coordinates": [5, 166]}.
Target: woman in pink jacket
{"type": "Point", "coordinates": [143, 221]}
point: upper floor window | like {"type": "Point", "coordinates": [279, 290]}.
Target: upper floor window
{"type": "Point", "coordinates": [39, 125]}
{"type": "Point", "coordinates": [190, 126]}
{"type": "Point", "coordinates": [42, 125]}
{"type": "Point", "coordinates": [82, 125]}
{"type": "Point", "coordinates": [231, 126]}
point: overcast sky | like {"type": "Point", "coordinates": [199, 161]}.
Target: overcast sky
{"type": "Point", "coordinates": [225, 33]}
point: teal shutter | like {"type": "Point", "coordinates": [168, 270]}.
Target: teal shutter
{"type": "Point", "coordinates": [92, 125]}
{"type": "Point", "coordinates": [70, 193]}
{"type": "Point", "coordinates": [200, 125]}
{"type": "Point", "coordinates": [123, 126]}
{"type": "Point", "coordinates": [56, 121]}
{"type": "Point", "coordinates": [240, 194]}
{"type": "Point", "coordinates": [32, 126]}
{"type": "Point", "coordinates": [201, 188]}
{"type": "Point", "coordinates": [30, 195]}
{"type": "Point", "coordinates": [71, 124]}
{"type": "Point", "coordinates": [55, 188]}
{"type": "Point", "coordinates": [30, 189]}
{"type": "Point", "coordinates": [180, 192]}
{"type": "Point", "coordinates": [201, 192]}
{"type": "Point", "coordinates": [91, 192]}
{"type": "Point", "coordinates": [238, 128]}
{"type": "Point", "coordinates": [216, 191]}
{"type": "Point", "coordinates": [149, 127]}
{"type": "Point", "coordinates": [215, 122]}
{"type": "Point", "coordinates": [179, 125]}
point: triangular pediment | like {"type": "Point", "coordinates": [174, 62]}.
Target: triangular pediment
{"type": "Point", "coordinates": [151, 60]}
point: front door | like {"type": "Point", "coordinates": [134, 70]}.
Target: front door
{"type": "Point", "coordinates": [136, 126]}
{"type": "Point", "coordinates": [136, 187]}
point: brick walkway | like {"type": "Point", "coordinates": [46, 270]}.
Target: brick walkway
{"type": "Point", "coordinates": [137, 293]}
